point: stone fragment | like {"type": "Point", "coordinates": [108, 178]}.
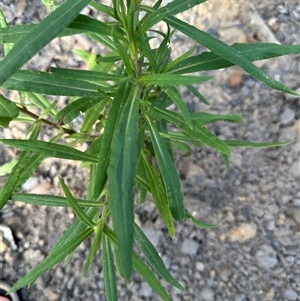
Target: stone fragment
{"type": "Point", "coordinates": [207, 294]}
{"type": "Point", "coordinates": [189, 246]}
{"type": "Point", "coordinates": [287, 116]}
{"type": "Point", "coordinates": [290, 294]}
{"type": "Point", "coordinates": [266, 257]}
{"type": "Point", "coordinates": [242, 232]}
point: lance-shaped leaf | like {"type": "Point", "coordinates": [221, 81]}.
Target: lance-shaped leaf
{"type": "Point", "coordinates": [51, 200]}
{"type": "Point", "coordinates": [153, 257]}
{"type": "Point", "coordinates": [159, 195]}
{"type": "Point", "coordinates": [8, 111]}
{"type": "Point", "coordinates": [237, 143]}
{"type": "Point", "coordinates": [121, 179]}
{"type": "Point", "coordinates": [227, 52]}
{"type": "Point", "coordinates": [15, 33]}
{"type": "Point", "coordinates": [212, 61]}
{"type": "Point", "coordinates": [50, 149]}
{"type": "Point", "coordinates": [205, 117]}
{"type": "Point", "coordinates": [199, 131]}
{"type": "Point", "coordinates": [86, 75]}
{"type": "Point", "coordinates": [39, 37]}
{"type": "Point", "coordinates": [168, 79]}
{"type": "Point", "coordinates": [199, 224]}
{"type": "Point", "coordinates": [110, 283]}
{"type": "Point", "coordinates": [175, 96]}
{"type": "Point", "coordinates": [118, 102]}
{"type": "Point", "coordinates": [168, 173]}
{"type": "Point", "coordinates": [172, 8]}
{"type": "Point", "coordinates": [149, 277]}
{"type": "Point", "coordinates": [75, 108]}
{"type": "Point", "coordinates": [45, 83]}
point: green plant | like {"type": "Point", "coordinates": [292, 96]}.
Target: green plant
{"type": "Point", "coordinates": [124, 96]}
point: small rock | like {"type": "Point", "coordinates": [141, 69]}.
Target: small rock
{"type": "Point", "coordinates": [235, 79]}
{"type": "Point", "coordinates": [153, 235]}
{"type": "Point", "coordinates": [33, 256]}
{"type": "Point", "coordinates": [290, 294]}
{"type": "Point", "coordinates": [207, 294]}
{"type": "Point", "coordinates": [189, 246]}
{"type": "Point", "coordinates": [239, 297]}
{"type": "Point", "coordinates": [270, 295]}
{"type": "Point", "coordinates": [266, 257]}
{"type": "Point", "coordinates": [7, 235]}
{"type": "Point", "coordinates": [287, 134]}
{"type": "Point", "coordinates": [287, 116]}
{"type": "Point", "coordinates": [200, 266]}
{"type": "Point", "coordinates": [146, 290]}
{"type": "Point", "coordinates": [296, 214]}
{"type": "Point", "coordinates": [30, 184]}
{"type": "Point", "coordinates": [242, 232]}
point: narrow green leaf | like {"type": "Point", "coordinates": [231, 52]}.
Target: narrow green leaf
{"type": "Point", "coordinates": [168, 79]}
{"type": "Point", "coordinates": [45, 83]}
{"type": "Point", "coordinates": [197, 94]}
{"type": "Point", "coordinates": [227, 52]}
{"type": "Point", "coordinates": [199, 132]}
{"type": "Point", "coordinates": [51, 200]}
{"type": "Point", "coordinates": [12, 181]}
{"type": "Point", "coordinates": [75, 108]}
{"type": "Point", "coordinates": [175, 96]}
{"type": "Point", "coordinates": [206, 118]}
{"type": "Point", "coordinates": [86, 75]}
{"type": "Point", "coordinates": [115, 110]}
{"type": "Point", "coordinates": [147, 51]}
{"type": "Point", "coordinates": [39, 37]}
{"type": "Point", "coordinates": [141, 268]}
{"type": "Point", "coordinates": [92, 115]}
{"type": "Point", "coordinates": [168, 173]}
{"type": "Point", "coordinates": [182, 147]}
{"type": "Point", "coordinates": [159, 195]}
{"type": "Point", "coordinates": [121, 179]}
{"type": "Point", "coordinates": [179, 59]}
{"type": "Point", "coordinates": [213, 61]}
{"type": "Point", "coordinates": [237, 143]}
{"type": "Point", "coordinates": [8, 111]}
{"type": "Point", "coordinates": [52, 259]}
{"type": "Point", "coordinates": [94, 247]}
{"type": "Point", "coordinates": [123, 53]}
{"type": "Point", "coordinates": [74, 205]}
{"type": "Point", "coordinates": [109, 271]}
{"type": "Point", "coordinates": [149, 277]}
{"type": "Point", "coordinates": [199, 224]}
{"type": "Point", "coordinates": [50, 149]}
{"type": "Point", "coordinates": [172, 8]}
{"type": "Point", "coordinates": [153, 257]}
{"type": "Point", "coordinates": [86, 23]}
{"type": "Point", "coordinates": [15, 33]}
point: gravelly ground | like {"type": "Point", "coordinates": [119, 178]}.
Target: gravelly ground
{"type": "Point", "coordinates": [255, 253]}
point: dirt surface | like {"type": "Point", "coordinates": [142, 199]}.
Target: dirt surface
{"type": "Point", "coordinates": [254, 254]}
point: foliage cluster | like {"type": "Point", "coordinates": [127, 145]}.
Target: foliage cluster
{"type": "Point", "coordinates": [124, 97]}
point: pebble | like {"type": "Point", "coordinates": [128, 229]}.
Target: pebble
{"type": "Point", "coordinates": [287, 134]}
{"type": "Point", "coordinates": [239, 297]}
{"type": "Point", "coordinates": [146, 290]}
{"type": "Point", "coordinates": [242, 233]}
{"type": "Point", "coordinates": [266, 257]}
{"type": "Point", "coordinates": [30, 183]}
{"type": "Point", "coordinates": [270, 295]}
{"type": "Point", "coordinates": [290, 294]}
{"type": "Point", "coordinates": [200, 266]}
{"type": "Point", "coordinates": [207, 294]}
{"type": "Point", "coordinates": [189, 246]}
{"type": "Point", "coordinates": [153, 235]}
{"type": "Point", "coordinates": [7, 235]}
{"type": "Point", "coordinates": [287, 116]}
